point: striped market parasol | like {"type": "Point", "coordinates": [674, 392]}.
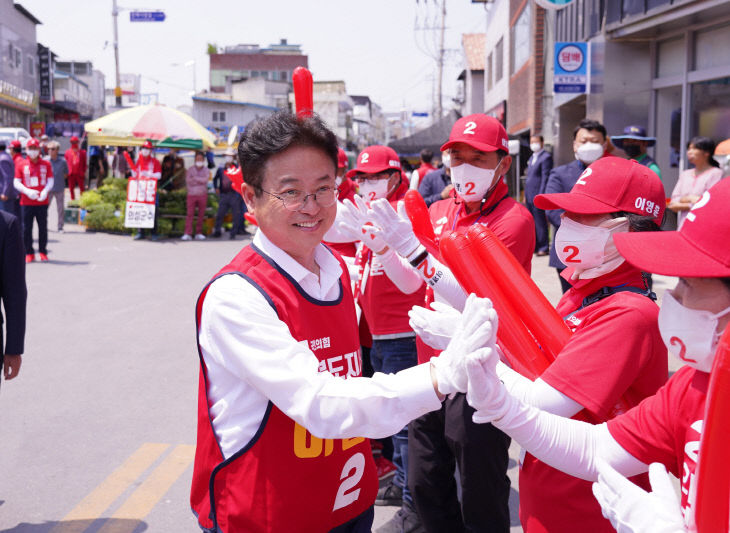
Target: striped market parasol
{"type": "Point", "coordinates": [165, 125]}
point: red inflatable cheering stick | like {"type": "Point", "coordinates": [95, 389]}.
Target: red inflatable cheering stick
{"type": "Point", "coordinates": [421, 221]}
{"type": "Point", "coordinates": [713, 480]}
{"type": "Point", "coordinates": [461, 256]}
{"type": "Point", "coordinates": [303, 92]}
{"type": "Point", "coordinates": [525, 297]}
{"type": "Point", "coordinates": [130, 164]}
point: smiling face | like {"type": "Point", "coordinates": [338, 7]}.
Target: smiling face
{"type": "Point", "coordinates": [301, 168]}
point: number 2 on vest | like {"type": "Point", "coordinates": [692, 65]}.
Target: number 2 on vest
{"type": "Point", "coordinates": [350, 480]}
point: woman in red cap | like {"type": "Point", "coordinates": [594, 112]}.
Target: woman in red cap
{"type": "Point", "coordinates": [76, 161]}
{"type": "Point", "coordinates": [666, 427]}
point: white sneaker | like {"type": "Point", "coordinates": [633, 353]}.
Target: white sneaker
{"type": "Point", "coordinates": [186, 237]}
{"type": "Point", "coordinates": [200, 237]}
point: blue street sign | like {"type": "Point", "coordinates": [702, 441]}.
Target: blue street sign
{"type": "Point", "coordinates": [570, 73]}
{"type": "Point", "coordinates": [146, 16]}
{"type": "Point", "coordinates": [419, 114]}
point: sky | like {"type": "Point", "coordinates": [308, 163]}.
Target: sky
{"type": "Point", "coordinates": [373, 45]}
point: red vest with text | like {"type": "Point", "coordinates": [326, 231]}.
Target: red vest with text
{"type": "Point", "coordinates": [286, 479]}
{"type": "Point", "coordinates": [34, 175]}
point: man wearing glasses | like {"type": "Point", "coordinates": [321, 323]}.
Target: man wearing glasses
{"type": "Point", "coordinates": [280, 434]}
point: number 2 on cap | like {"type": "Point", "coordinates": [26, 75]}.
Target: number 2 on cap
{"type": "Point", "coordinates": [573, 251]}
{"type": "Point", "coordinates": [469, 128]}
{"type": "Point", "coordinates": [364, 158]}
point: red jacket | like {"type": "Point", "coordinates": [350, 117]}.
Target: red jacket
{"type": "Point", "coordinates": [76, 161]}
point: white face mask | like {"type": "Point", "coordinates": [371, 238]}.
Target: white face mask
{"type": "Point", "coordinates": [374, 191]}
{"type": "Point", "coordinates": [589, 249]}
{"type": "Point", "coordinates": [145, 152]}
{"type": "Point", "coordinates": [535, 147]}
{"type": "Point", "coordinates": [472, 183]}
{"type": "Point", "coordinates": [229, 159]}
{"type": "Point", "coordinates": [33, 153]}
{"type": "Point", "coordinates": [199, 164]}
{"type": "Point", "coordinates": [589, 152]}
{"type": "Point", "coordinates": [690, 334]}
{"type": "Point", "coordinates": [446, 159]}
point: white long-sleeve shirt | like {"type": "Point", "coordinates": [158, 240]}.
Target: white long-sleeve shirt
{"type": "Point", "coordinates": [252, 359]}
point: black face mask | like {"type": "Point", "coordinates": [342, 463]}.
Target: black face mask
{"type": "Point", "coordinates": [632, 150]}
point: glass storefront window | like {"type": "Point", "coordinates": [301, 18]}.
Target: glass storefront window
{"type": "Point", "coordinates": [670, 57]}
{"type": "Point", "coordinates": [711, 48]}
{"type": "Point", "coordinates": [710, 109]}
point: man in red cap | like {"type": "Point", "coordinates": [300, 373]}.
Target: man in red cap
{"type": "Point", "coordinates": [437, 441]}
{"type": "Point", "coordinates": [76, 161]}
{"type": "Point", "coordinates": [148, 167]}
{"type": "Point", "coordinates": [17, 150]}
{"type": "Point", "coordinates": [664, 431]}
{"type": "Point", "coordinates": [33, 180]}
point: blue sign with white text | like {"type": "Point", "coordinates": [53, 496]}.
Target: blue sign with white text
{"type": "Point", "coordinates": [571, 67]}
{"type": "Point", "coordinates": [146, 16]}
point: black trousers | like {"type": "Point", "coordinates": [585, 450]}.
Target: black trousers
{"type": "Point", "coordinates": [229, 201]}
{"type": "Point", "coordinates": [40, 214]}
{"type": "Point", "coordinates": [437, 443]}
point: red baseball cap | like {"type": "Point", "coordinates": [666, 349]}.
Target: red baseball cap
{"type": "Point", "coordinates": [16, 144]}
{"type": "Point", "coordinates": [147, 144]}
{"type": "Point", "coordinates": [609, 185]}
{"type": "Point", "coordinates": [479, 131]}
{"type": "Point", "coordinates": [374, 159]}
{"type": "Point", "coordinates": [342, 161]}
{"type": "Point", "coordinates": [698, 250]}
{"type": "Point", "coordinates": [32, 143]}
{"type": "Point", "coordinates": [74, 140]}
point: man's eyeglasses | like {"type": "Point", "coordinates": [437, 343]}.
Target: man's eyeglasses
{"type": "Point", "coordinates": [294, 199]}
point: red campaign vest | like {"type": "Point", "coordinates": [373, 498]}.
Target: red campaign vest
{"type": "Point", "coordinates": [285, 479]}
{"type": "Point", "coordinates": [148, 167]}
{"type": "Point", "coordinates": [35, 176]}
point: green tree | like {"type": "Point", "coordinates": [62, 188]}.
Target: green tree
{"type": "Point", "coordinates": [212, 48]}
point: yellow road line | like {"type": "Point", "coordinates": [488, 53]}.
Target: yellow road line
{"type": "Point", "coordinates": [91, 507]}
{"type": "Point", "coordinates": [143, 500]}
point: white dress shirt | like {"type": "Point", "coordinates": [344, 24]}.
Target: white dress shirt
{"type": "Point", "coordinates": [252, 359]}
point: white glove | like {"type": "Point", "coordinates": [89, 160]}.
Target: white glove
{"type": "Point", "coordinates": [485, 392]}
{"type": "Point", "coordinates": [393, 228]}
{"type": "Point", "coordinates": [43, 195]}
{"type": "Point", "coordinates": [32, 194]}
{"type": "Point", "coordinates": [434, 327]}
{"type": "Point", "coordinates": [633, 510]}
{"type": "Point", "coordinates": [352, 222]}
{"type": "Point", "coordinates": [476, 328]}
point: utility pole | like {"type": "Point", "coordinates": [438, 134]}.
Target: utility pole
{"type": "Point", "coordinates": [117, 88]}
{"type": "Point", "coordinates": [439, 102]}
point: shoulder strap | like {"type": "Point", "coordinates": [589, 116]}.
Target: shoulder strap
{"type": "Point", "coordinates": [605, 292]}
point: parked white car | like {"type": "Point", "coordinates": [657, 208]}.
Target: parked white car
{"type": "Point", "coordinates": [12, 134]}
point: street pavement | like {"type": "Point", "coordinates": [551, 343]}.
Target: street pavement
{"type": "Point", "coordinates": [98, 430]}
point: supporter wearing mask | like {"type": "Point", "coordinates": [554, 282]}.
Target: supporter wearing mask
{"type": "Point", "coordinates": [196, 181]}
{"type": "Point", "coordinates": [538, 169]}
{"type": "Point", "coordinates": [589, 144]}
{"type": "Point", "coordinates": [443, 439]}
{"type": "Point", "coordinates": [149, 167]}
{"type": "Point", "coordinates": [634, 143]}
{"type": "Point", "coordinates": [664, 431]}
{"type": "Point", "coordinates": [34, 180]}
{"type": "Point", "coordinates": [436, 185]}
{"type": "Point", "coordinates": [385, 301]}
